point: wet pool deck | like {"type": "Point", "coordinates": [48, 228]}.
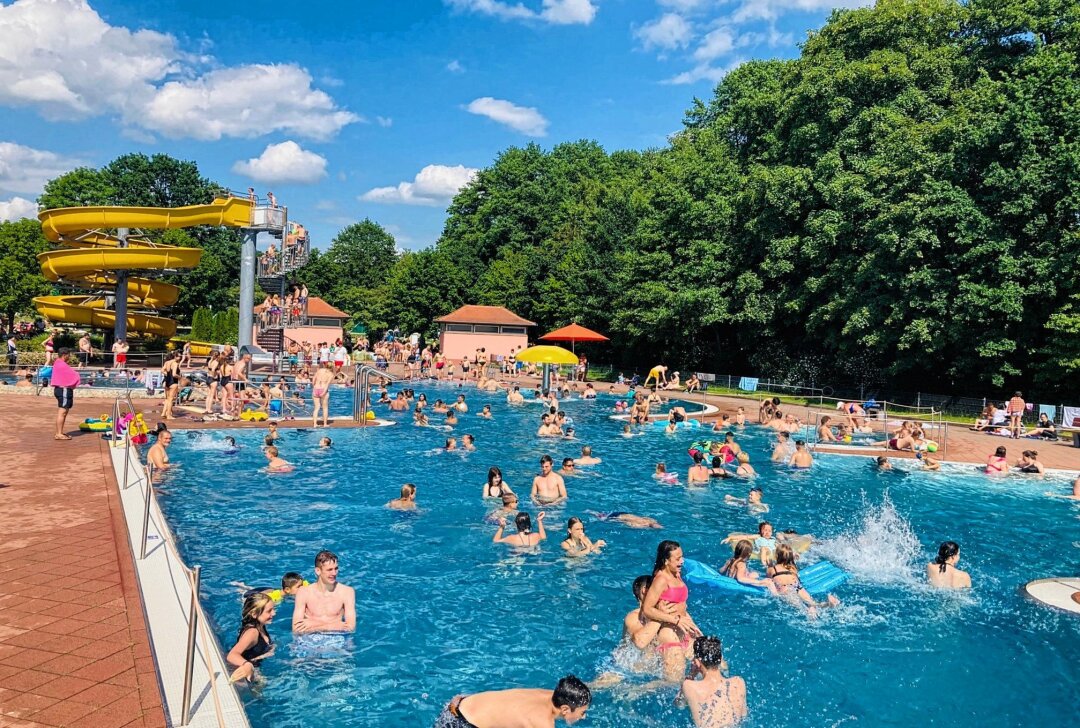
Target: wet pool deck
{"type": "Point", "coordinates": [74, 649]}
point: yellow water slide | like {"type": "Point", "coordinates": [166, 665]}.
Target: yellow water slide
{"type": "Point", "coordinates": [90, 256]}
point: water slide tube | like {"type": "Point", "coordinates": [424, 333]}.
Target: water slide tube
{"type": "Point", "coordinates": [89, 258]}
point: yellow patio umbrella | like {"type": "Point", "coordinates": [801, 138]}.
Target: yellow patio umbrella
{"type": "Point", "coordinates": [547, 355]}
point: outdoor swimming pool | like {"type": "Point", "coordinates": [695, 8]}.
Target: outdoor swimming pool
{"type": "Point", "coordinates": [441, 610]}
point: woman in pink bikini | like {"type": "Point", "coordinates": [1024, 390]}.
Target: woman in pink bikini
{"type": "Point", "coordinates": [665, 602]}
{"type": "Point", "coordinates": [997, 464]}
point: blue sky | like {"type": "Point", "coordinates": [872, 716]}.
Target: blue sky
{"type": "Point", "coordinates": [370, 108]}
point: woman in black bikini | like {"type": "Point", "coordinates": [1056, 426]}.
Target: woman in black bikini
{"type": "Point", "coordinates": [495, 487]}
{"type": "Point", "coordinates": [253, 642]}
{"type": "Point", "coordinates": [785, 576]}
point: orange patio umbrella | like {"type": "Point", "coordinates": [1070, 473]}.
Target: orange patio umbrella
{"type": "Point", "coordinates": [573, 333]}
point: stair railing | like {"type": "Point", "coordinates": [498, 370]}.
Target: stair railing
{"type": "Point", "coordinates": [362, 389]}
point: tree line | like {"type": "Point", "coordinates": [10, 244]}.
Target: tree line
{"type": "Point", "coordinates": [899, 203]}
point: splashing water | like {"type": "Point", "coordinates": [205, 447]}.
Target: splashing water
{"type": "Point", "coordinates": [884, 550]}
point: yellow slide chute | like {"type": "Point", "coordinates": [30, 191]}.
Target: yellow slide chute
{"type": "Point", "coordinates": [90, 257]}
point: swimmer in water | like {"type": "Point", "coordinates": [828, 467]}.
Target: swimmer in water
{"type": "Point", "coordinates": [737, 567]}
{"type": "Point", "coordinates": [325, 443]}
{"type": "Point", "coordinates": [801, 459]}
{"type": "Point", "coordinates": [275, 464]}
{"type": "Point", "coordinates": [783, 449]}
{"type": "Point", "coordinates": [485, 413]}
{"type": "Point", "coordinates": [752, 501]}
{"type": "Point", "coordinates": [745, 469]}
{"type": "Point", "coordinates": [942, 572]}
{"type": "Point", "coordinates": [548, 488]}
{"type": "Point", "coordinates": [451, 444]}
{"type": "Point", "coordinates": [785, 576]}
{"type": "Point", "coordinates": [577, 543]}
{"type": "Point", "coordinates": [509, 509]}
{"type": "Point", "coordinates": [663, 475]}
{"type": "Point", "coordinates": [524, 537]}
{"type": "Point", "coordinates": [451, 418]}
{"type": "Point", "coordinates": [568, 468]}
{"type": "Point", "coordinates": [518, 707]}
{"type": "Point", "coordinates": [677, 635]}
{"type": "Point", "coordinates": [419, 418]}
{"type": "Point", "coordinates": [698, 473]}
{"type": "Point", "coordinates": [714, 700]}
{"type": "Point", "coordinates": [626, 519]}
{"type": "Point", "coordinates": [468, 442]}
{"type": "Point", "coordinates": [230, 445]}
{"type": "Point", "coordinates": [883, 463]}
{"type": "Point", "coordinates": [407, 501]}
{"type": "Point", "coordinates": [637, 628]}
{"type": "Point", "coordinates": [628, 432]}
{"type": "Point", "coordinates": [1075, 492]}
{"type": "Point", "coordinates": [717, 470]}
{"type": "Point", "coordinates": [587, 457]}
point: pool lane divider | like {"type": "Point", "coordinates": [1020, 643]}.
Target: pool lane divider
{"type": "Point", "coordinates": [166, 596]}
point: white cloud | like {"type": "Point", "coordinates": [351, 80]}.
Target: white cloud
{"type": "Point", "coordinates": [556, 12]}
{"type": "Point", "coordinates": [704, 72]}
{"type": "Point", "coordinates": [17, 208]}
{"type": "Point", "coordinates": [25, 169]}
{"type": "Point", "coordinates": [62, 59]}
{"type": "Point", "coordinates": [434, 185]}
{"type": "Point", "coordinates": [668, 31]}
{"type": "Point", "coordinates": [525, 119]}
{"type": "Point", "coordinates": [245, 101]}
{"type": "Point", "coordinates": [384, 121]}
{"type": "Point", "coordinates": [455, 66]}
{"type": "Point", "coordinates": [282, 163]}
{"type": "Point", "coordinates": [715, 44]}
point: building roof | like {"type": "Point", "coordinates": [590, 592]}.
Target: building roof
{"type": "Point", "coordinates": [320, 308]}
{"type": "Point", "coordinates": [484, 315]}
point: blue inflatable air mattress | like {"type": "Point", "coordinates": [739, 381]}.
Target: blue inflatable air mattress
{"type": "Point", "coordinates": [819, 578]}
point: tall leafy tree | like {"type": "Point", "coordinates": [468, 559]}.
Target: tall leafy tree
{"type": "Point", "coordinates": [20, 274]}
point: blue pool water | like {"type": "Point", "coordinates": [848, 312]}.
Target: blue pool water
{"type": "Point", "coordinates": [442, 610]}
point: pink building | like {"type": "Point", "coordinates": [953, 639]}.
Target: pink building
{"type": "Point", "coordinates": [492, 328]}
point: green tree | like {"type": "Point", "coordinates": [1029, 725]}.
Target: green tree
{"type": "Point", "coordinates": [78, 188]}
{"type": "Point", "coordinates": [20, 273]}
{"type": "Point", "coordinates": [202, 325]}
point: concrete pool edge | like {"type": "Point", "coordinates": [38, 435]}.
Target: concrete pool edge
{"type": "Point", "coordinates": [166, 598]}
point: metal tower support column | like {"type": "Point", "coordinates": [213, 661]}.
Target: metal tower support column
{"type": "Point", "coordinates": [120, 305]}
{"type": "Point", "coordinates": [247, 288]}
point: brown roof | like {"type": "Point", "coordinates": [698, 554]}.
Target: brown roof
{"type": "Point", "coordinates": [484, 315]}
{"type": "Point", "coordinates": [318, 307]}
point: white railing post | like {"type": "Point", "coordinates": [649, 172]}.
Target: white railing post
{"type": "Point", "coordinates": [189, 658]}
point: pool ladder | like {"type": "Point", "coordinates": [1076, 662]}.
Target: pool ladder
{"type": "Point", "coordinates": [362, 389]}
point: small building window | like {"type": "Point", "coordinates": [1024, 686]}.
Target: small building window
{"type": "Point", "coordinates": [485, 329]}
{"type": "Point", "coordinates": [513, 330]}
{"type": "Point", "coordinates": [325, 322]}
{"type": "Point", "coordinates": [464, 328]}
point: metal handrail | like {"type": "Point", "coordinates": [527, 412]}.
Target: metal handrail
{"type": "Point", "coordinates": [196, 615]}
{"type": "Point", "coordinates": [362, 389]}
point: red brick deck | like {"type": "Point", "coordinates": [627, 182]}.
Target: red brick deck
{"type": "Point", "coordinates": [73, 644]}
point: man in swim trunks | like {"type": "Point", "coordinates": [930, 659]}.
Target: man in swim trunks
{"type": "Point", "coordinates": [548, 488]}
{"type": "Point", "coordinates": [407, 501]}
{"type": "Point", "coordinates": [658, 374]}
{"type": "Point", "coordinates": [326, 605]}
{"type": "Point", "coordinates": [64, 380]}
{"type": "Point", "coordinates": [802, 458]}
{"type": "Point", "coordinates": [587, 457]}
{"type": "Point", "coordinates": [783, 449]}
{"type": "Point", "coordinates": [518, 708]}
{"type": "Point", "coordinates": [157, 455]}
